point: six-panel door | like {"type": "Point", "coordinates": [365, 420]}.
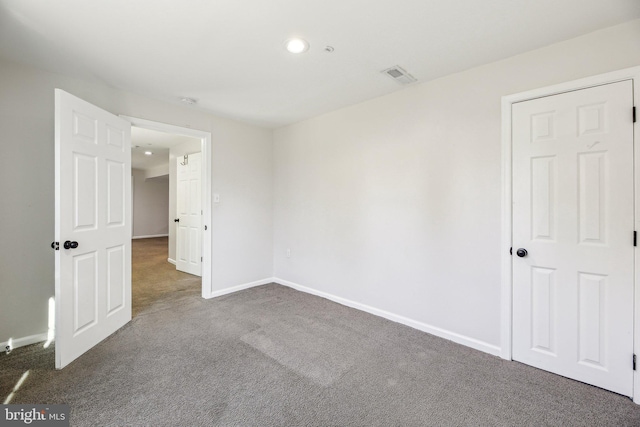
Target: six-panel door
{"type": "Point", "coordinates": [573, 213]}
{"type": "Point", "coordinates": [93, 184]}
{"type": "Point", "coordinates": [189, 206]}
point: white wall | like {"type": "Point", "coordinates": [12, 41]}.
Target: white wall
{"type": "Point", "coordinates": [156, 171]}
{"type": "Point", "coordinates": [242, 172]}
{"type": "Point", "coordinates": [179, 150]}
{"type": "Point", "coordinates": [395, 203]}
{"type": "Point", "coordinates": [243, 177]}
{"type": "Point", "coordinates": [150, 204]}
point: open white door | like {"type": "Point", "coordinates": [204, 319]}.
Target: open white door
{"type": "Point", "coordinates": [189, 221]}
{"type": "Point", "coordinates": [92, 225]}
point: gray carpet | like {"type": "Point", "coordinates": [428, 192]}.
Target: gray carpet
{"type": "Point", "coordinates": [272, 356]}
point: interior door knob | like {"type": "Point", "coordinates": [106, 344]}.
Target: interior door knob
{"type": "Point", "coordinates": [70, 245]}
{"type": "Point", "coordinates": [521, 252]}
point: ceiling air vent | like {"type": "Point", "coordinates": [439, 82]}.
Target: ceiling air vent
{"type": "Point", "coordinates": [398, 74]}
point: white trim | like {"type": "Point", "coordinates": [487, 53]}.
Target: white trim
{"type": "Point", "coordinates": [171, 261]}
{"type": "Point", "coordinates": [151, 236]}
{"type": "Point", "coordinates": [207, 182]}
{"type": "Point", "coordinates": [21, 342]}
{"type": "Point", "coordinates": [506, 235]}
{"type": "Point", "coordinates": [242, 287]}
{"type": "Point", "coordinates": [433, 330]}
{"type": "Point", "coordinates": [506, 279]}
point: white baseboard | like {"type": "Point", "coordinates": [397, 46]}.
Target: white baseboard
{"type": "Point", "coordinates": [433, 330]}
{"type": "Point", "coordinates": [171, 261]}
{"type": "Point", "coordinates": [151, 236]}
{"type": "Point", "coordinates": [21, 342]}
{"type": "Point", "coordinates": [237, 288]}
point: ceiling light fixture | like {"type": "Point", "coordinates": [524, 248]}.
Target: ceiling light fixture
{"type": "Point", "coordinates": [148, 153]}
{"type": "Point", "coordinates": [297, 45]}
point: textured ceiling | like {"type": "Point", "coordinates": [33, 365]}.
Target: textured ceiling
{"type": "Point", "coordinates": [229, 54]}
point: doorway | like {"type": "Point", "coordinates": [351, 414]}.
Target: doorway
{"type": "Point", "coordinates": [202, 145]}
{"type": "Point", "coordinates": [568, 279]}
{"type": "Point", "coordinates": [157, 241]}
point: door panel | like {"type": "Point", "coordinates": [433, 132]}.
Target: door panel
{"type": "Point", "coordinates": [592, 340]}
{"type": "Point", "coordinates": [573, 212]}
{"type": "Point", "coordinates": [591, 184]}
{"type": "Point", "coordinates": [93, 184]}
{"type": "Point", "coordinates": [543, 209]}
{"type": "Point", "coordinates": [115, 193]}
{"type": "Point", "coordinates": [85, 191]}
{"type": "Point", "coordinates": [116, 279]}
{"type": "Point", "coordinates": [542, 310]}
{"type": "Point", "coordinates": [85, 286]}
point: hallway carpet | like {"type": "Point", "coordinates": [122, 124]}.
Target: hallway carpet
{"type": "Point", "coordinates": [273, 356]}
{"type": "Point", "coordinates": [154, 279]}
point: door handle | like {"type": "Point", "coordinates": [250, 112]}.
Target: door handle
{"type": "Point", "coordinates": [521, 252]}
{"type": "Point", "coordinates": [70, 245]}
{"type": "Point", "coordinates": [176, 220]}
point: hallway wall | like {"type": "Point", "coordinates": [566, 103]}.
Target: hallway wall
{"type": "Point", "coordinates": [150, 204]}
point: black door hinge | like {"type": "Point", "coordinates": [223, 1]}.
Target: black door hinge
{"type": "Point", "coordinates": [635, 238]}
{"type": "Point", "coordinates": [634, 114]}
{"type": "Point", "coordinates": [634, 362]}
{"type": "Point", "coordinates": [200, 259]}
{"type": "Point", "coordinates": [55, 245]}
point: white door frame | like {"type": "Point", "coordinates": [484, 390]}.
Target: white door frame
{"type": "Point", "coordinates": [206, 150]}
{"type": "Point", "coordinates": [507, 225]}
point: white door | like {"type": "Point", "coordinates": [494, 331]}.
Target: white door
{"type": "Point", "coordinates": [189, 206]}
{"type": "Point", "coordinates": [92, 215]}
{"type": "Point", "coordinates": [573, 214]}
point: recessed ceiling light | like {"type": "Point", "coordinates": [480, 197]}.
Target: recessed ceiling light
{"type": "Point", "coordinates": [148, 153]}
{"type": "Point", "coordinates": [297, 45]}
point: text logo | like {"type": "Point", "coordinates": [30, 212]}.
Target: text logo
{"type": "Point", "coordinates": [34, 415]}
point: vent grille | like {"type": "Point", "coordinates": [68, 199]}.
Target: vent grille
{"type": "Point", "coordinates": [399, 75]}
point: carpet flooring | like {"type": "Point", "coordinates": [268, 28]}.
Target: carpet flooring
{"type": "Point", "coordinates": [273, 356]}
{"type": "Point", "coordinates": [154, 281]}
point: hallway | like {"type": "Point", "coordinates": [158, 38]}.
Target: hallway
{"type": "Point", "coordinates": [155, 281]}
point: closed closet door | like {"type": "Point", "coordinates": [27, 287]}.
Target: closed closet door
{"type": "Point", "coordinates": [573, 222]}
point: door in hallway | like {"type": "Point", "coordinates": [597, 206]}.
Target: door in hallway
{"type": "Point", "coordinates": [189, 209]}
{"type": "Point", "coordinates": [573, 223]}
